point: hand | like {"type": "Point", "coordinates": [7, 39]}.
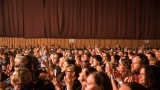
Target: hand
{"type": "Point", "coordinates": [69, 80]}
{"type": "Point", "coordinates": [42, 75]}
{"type": "Point", "coordinates": [131, 78]}
{"type": "Point", "coordinates": [57, 83]}
{"type": "Point", "coordinates": [117, 76]}
{"type": "Point", "coordinates": [46, 63]}
{"type": "Point", "coordinates": [50, 73]}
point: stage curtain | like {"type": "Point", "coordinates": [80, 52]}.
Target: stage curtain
{"type": "Point", "coordinates": [103, 19]}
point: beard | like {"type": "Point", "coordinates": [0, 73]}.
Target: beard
{"type": "Point", "coordinates": [135, 71]}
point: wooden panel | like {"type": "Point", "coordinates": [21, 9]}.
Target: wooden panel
{"type": "Point", "coordinates": [4, 41]}
{"type": "Point", "coordinates": [1, 42]}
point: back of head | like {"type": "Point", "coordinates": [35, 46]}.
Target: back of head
{"type": "Point", "coordinates": [24, 75]}
{"type": "Point", "coordinates": [144, 59]}
{"type": "Point", "coordinates": [102, 80]}
{"type": "Point", "coordinates": [135, 86]}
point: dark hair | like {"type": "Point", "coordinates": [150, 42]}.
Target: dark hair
{"type": "Point", "coordinates": [152, 54]}
{"type": "Point", "coordinates": [102, 80]}
{"type": "Point", "coordinates": [75, 69]}
{"type": "Point", "coordinates": [135, 86]}
{"type": "Point", "coordinates": [152, 77]}
{"type": "Point", "coordinates": [59, 55]}
{"type": "Point", "coordinates": [144, 59]}
{"type": "Point", "coordinates": [131, 53]}
{"type": "Point", "coordinates": [90, 70]}
{"type": "Point", "coordinates": [87, 54]}
{"type": "Point", "coordinates": [98, 58]}
{"type": "Point", "coordinates": [116, 57]}
{"type": "Point", "coordinates": [108, 56]}
{"type": "Point", "coordinates": [127, 63]}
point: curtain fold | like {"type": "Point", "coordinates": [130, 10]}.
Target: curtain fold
{"type": "Point", "coordinates": [33, 18]}
{"type": "Point", "coordinates": [103, 19]}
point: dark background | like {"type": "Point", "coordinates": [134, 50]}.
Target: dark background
{"type": "Point", "coordinates": [90, 19]}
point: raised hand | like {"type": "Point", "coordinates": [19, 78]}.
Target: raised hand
{"type": "Point", "coordinates": [57, 83]}
{"type": "Point", "coordinates": [117, 76]}
{"type": "Point", "coordinates": [50, 73]}
{"type": "Point", "coordinates": [69, 80]}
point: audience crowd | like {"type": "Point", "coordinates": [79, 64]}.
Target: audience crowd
{"type": "Point", "coordinates": [87, 68]}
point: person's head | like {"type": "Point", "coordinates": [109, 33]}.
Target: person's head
{"type": "Point", "coordinates": [21, 76]}
{"type": "Point", "coordinates": [20, 60]}
{"type": "Point", "coordinates": [85, 73]}
{"type": "Point", "coordinates": [121, 54]}
{"type": "Point", "coordinates": [73, 70]}
{"type": "Point", "coordinates": [86, 56]}
{"type": "Point", "coordinates": [149, 77]}
{"type": "Point", "coordinates": [106, 57]}
{"type": "Point", "coordinates": [109, 66]}
{"type": "Point", "coordinates": [98, 81]}
{"type": "Point", "coordinates": [100, 68]}
{"type": "Point", "coordinates": [91, 60]}
{"type": "Point", "coordinates": [150, 55]}
{"type": "Point", "coordinates": [97, 59]}
{"type": "Point", "coordinates": [124, 65]}
{"type": "Point", "coordinates": [139, 61]}
{"type": "Point", "coordinates": [115, 58]}
{"type": "Point", "coordinates": [61, 61]}
{"type": "Point", "coordinates": [55, 57]}
{"type": "Point", "coordinates": [131, 55]}
{"type": "Point", "coordinates": [157, 53]}
{"type": "Point", "coordinates": [132, 86]}
{"type": "Point", "coordinates": [78, 57]}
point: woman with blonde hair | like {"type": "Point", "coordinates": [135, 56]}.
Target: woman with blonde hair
{"type": "Point", "coordinates": [20, 78]}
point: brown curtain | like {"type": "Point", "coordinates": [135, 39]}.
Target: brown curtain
{"type": "Point", "coordinates": [107, 19]}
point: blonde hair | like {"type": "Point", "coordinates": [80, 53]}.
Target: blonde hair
{"type": "Point", "coordinates": [23, 75]}
{"type": "Point", "coordinates": [22, 59]}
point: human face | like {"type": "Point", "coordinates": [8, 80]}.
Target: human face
{"type": "Point", "coordinates": [95, 62]}
{"type": "Point", "coordinates": [14, 79]}
{"type": "Point", "coordinates": [69, 73]}
{"type": "Point", "coordinates": [136, 66]}
{"type": "Point", "coordinates": [85, 58]}
{"type": "Point", "coordinates": [17, 61]}
{"type": "Point", "coordinates": [91, 84]}
{"type": "Point", "coordinates": [157, 54]}
{"type": "Point", "coordinates": [142, 76]}
{"type": "Point", "coordinates": [112, 59]}
{"type": "Point", "coordinates": [91, 61]}
{"type": "Point", "coordinates": [124, 87]}
{"type": "Point", "coordinates": [149, 56]}
{"type": "Point", "coordinates": [104, 57]}
{"type": "Point", "coordinates": [107, 68]}
{"type": "Point", "coordinates": [61, 62]}
{"type": "Point", "coordinates": [121, 67]}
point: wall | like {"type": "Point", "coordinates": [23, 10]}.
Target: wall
{"type": "Point", "coordinates": [7, 41]}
